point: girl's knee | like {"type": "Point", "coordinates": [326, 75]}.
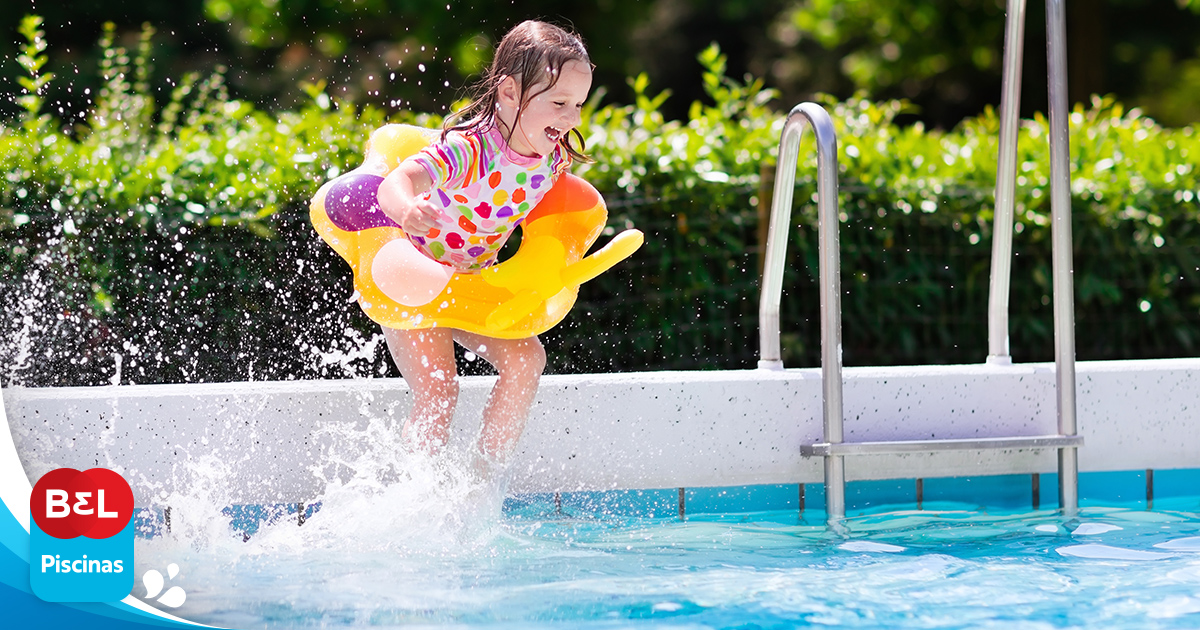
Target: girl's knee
{"type": "Point", "coordinates": [527, 360]}
{"type": "Point", "coordinates": [537, 357]}
{"type": "Point", "coordinates": [437, 395]}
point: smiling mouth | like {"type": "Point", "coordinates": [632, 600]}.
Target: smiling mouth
{"type": "Point", "coordinates": [554, 133]}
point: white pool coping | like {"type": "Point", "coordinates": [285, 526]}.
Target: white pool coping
{"type": "Point", "coordinates": [621, 431]}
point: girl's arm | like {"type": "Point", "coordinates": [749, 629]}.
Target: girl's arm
{"type": "Point", "coordinates": [400, 198]}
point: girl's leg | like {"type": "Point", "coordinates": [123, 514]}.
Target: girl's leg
{"type": "Point", "coordinates": [520, 363]}
{"type": "Point", "coordinates": [426, 360]}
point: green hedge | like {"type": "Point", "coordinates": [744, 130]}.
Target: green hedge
{"type": "Point", "coordinates": [170, 242]}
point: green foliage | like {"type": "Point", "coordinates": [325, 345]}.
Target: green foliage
{"type": "Point", "coordinates": [125, 215]}
{"type": "Point", "coordinates": [1134, 190]}
{"type": "Point", "coordinates": [177, 237]}
{"type": "Point", "coordinates": [32, 59]}
{"type": "Point", "coordinates": [203, 160]}
{"type": "Point", "coordinates": [409, 52]}
{"type": "Point", "coordinates": [889, 42]}
{"type": "Point", "coordinates": [946, 55]}
{"type": "Point", "coordinates": [916, 233]}
{"type": "Point", "coordinates": [720, 145]}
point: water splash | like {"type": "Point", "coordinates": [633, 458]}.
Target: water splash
{"type": "Point", "coordinates": [386, 517]}
{"type": "Point", "coordinates": [161, 315]}
{"type": "Point", "coordinates": [44, 330]}
{"type": "Point", "coordinates": [379, 498]}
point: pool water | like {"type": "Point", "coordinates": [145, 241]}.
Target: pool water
{"type": "Point", "coordinates": [446, 555]}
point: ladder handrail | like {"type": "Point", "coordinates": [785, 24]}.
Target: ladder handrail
{"type": "Point", "coordinates": [814, 116]}
{"type": "Point", "coordinates": [1006, 186]}
{"type": "Point", "coordinates": [1061, 249]}
{"type": "Point", "coordinates": [1060, 216]}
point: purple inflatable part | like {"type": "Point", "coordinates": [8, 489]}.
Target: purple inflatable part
{"type": "Point", "coordinates": [352, 203]}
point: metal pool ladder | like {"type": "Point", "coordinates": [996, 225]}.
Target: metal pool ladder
{"type": "Point", "coordinates": [834, 448]}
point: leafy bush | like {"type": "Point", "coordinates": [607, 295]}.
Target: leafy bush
{"type": "Point", "coordinates": [164, 240]}
{"type": "Point", "coordinates": [156, 245]}
{"type": "Point", "coordinates": [916, 230]}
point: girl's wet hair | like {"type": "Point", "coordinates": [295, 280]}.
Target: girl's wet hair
{"type": "Point", "coordinates": [533, 53]}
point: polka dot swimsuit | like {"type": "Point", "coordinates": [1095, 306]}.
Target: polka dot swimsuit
{"type": "Point", "coordinates": [484, 191]}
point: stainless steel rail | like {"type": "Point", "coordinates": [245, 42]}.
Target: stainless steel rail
{"type": "Point", "coordinates": [811, 115]}
{"type": "Point", "coordinates": [1061, 265]}
{"type": "Point", "coordinates": [924, 446]}
{"type": "Point", "coordinates": [1060, 213]}
{"type": "Point", "coordinates": [834, 449]}
{"type": "Point", "coordinates": [1006, 185]}
{"type": "Point", "coordinates": [815, 116]}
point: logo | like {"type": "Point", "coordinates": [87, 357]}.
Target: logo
{"type": "Point", "coordinates": [81, 538]}
{"type": "Point", "coordinates": [153, 581]}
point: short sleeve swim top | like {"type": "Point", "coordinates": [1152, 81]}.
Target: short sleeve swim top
{"type": "Point", "coordinates": [484, 190]}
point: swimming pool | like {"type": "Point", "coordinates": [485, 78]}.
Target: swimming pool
{"type": "Point", "coordinates": [459, 561]}
{"type": "Point", "coordinates": [594, 538]}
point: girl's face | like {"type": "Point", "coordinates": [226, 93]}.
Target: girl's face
{"type": "Point", "coordinates": [547, 117]}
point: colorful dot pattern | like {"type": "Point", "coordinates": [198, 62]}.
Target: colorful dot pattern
{"type": "Point", "coordinates": [484, 191]}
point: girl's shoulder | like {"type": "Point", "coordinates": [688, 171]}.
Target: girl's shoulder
{"type": "Point", "coordinates": [458, 148]}
{"type": "Point", "coordinates": [472, 139]}
{"type": "Point", "coordinates": [488, 143]}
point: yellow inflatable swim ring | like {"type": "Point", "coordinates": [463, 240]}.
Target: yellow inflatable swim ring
{"type": "Point", "coordinates": [523, 296]}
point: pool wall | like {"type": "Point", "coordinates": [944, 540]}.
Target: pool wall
{"type": "Point", "coordinates": [655, 430]}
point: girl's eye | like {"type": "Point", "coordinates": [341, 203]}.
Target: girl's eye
{"type": "Point", "coordinates": [560, 103]}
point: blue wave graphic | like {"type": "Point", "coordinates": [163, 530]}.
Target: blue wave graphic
{"type": "Point", "coordinates": [23, 609]}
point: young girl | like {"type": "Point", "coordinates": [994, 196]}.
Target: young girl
{"type": "Point", "coordinates": [509, 145]}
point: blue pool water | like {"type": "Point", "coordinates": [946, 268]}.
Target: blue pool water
{"type": "Point", "coordinates": [409, 560]}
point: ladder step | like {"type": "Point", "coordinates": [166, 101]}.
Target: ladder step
{"type": "Point", "coordinates": [933, 446]}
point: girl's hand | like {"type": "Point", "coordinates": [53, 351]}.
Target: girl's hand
{"type": "Point", "coordinates": [417, 217]}
{"type": "Point", "coordinates": [403, 197]}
